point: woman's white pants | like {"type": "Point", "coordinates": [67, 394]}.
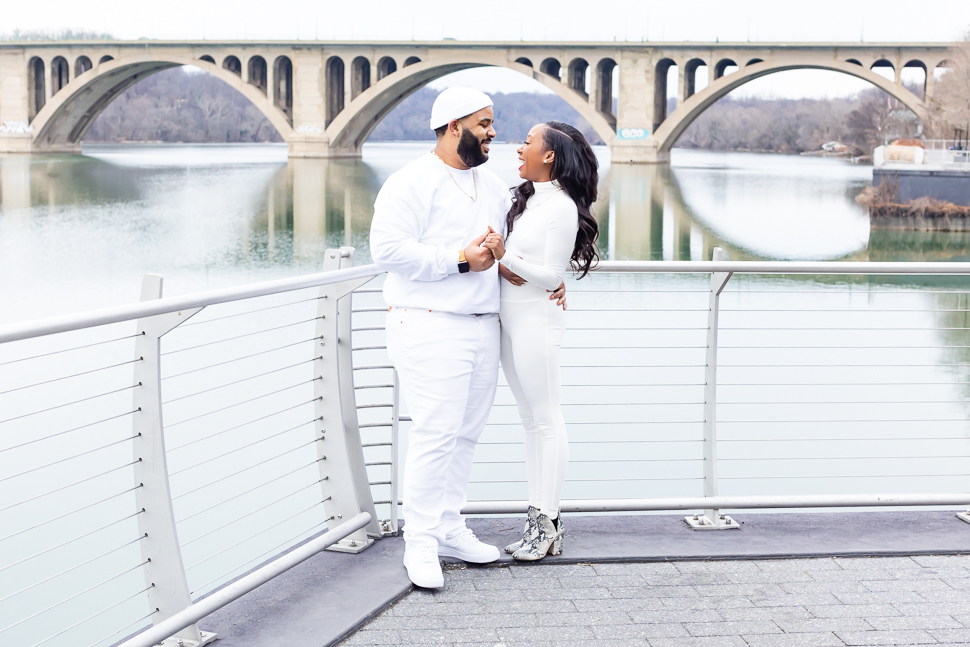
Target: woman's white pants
{"type": "Point", "coordinates": [448, 367]}
{"type": "Point", "coordinates": [532, 332]}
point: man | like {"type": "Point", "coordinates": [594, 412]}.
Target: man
{"type": "Point", "coordinates": [443, 334]}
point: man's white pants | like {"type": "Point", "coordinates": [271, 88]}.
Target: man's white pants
{"type": "Point", "coordinates": [448, 367]}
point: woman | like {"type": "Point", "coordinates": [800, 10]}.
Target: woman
{"type": "Point", "coordinates": [548, 227]}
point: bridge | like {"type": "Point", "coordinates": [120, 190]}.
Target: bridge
{"type": "Point", "coordinates": [325, 98]}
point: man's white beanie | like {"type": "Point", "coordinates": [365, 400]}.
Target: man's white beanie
{"type": "Point", "coordinates": [456, 103]}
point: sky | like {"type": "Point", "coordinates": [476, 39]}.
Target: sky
{"type": "Point", "coordinates": [512, 20]}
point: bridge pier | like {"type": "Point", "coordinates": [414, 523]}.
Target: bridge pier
{"type": "Point", "coordinates": [638, 152]}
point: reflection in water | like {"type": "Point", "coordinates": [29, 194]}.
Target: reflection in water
{"type": "Point", "coordinates": [87, 227]}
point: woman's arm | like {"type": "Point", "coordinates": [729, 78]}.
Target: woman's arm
{"type": "Point", "coordinates": [560, 240]}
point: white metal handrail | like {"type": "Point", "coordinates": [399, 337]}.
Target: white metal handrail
{"type": "Point", "coordinates": [339, 419]}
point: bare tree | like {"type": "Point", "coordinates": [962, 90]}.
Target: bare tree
{"type": "Point", "coordinates": [950, 103]}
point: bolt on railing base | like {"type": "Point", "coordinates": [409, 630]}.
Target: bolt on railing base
{"type": "Point", "coordinates": [207, 637]}
{"type": "Point", "coordinates": [352, 546]}
{"type": "Point", "coordinates": [964, 516]}
{"type": "Point", "coordinates": [704, 522]}
{"type": "Point", "coordinates": [387, 528]}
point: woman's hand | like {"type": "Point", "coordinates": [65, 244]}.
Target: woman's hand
{"type": "Point", "coordinates": [509, 276]}
{"type": "Point", "coordinates": [494, 242]}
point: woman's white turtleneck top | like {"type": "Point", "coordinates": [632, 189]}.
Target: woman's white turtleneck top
{"type": "Point", "coordinates": [542, 238]}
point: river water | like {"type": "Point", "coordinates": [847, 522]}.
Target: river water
{"type": "Point", "coordinates": [825, 384]}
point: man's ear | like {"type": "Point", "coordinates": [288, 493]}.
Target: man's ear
{"type": "Point", "coordinates": [454, 127]}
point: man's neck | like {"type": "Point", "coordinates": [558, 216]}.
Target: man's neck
{"type": "Point", "coordinates": [449, 157]}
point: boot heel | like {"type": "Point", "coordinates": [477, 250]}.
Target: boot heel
{"type": "Point", "coordinates": [556, 548]}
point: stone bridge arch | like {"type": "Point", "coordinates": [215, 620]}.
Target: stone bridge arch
{"type": "Point", "coordinates": [61, 124]}
{"type": "Point", "coordinates": [667, 134]}
{"type": "Point", "coordinates": [351, 127]}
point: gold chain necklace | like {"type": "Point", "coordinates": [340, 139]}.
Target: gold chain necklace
{"type": "Point", "coordinates": [536, 206]}
{"type": "Point", "coordinates": [474, 179]}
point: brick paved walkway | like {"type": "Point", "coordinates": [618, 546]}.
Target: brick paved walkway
{"type": "Point", "coordinates": [825, 601]}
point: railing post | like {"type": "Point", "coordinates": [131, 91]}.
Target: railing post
{"type": "Point", "coordinates": [346, 488]}
{"type": "Point", "coordinates": [164, 572]}
{"type": "Point", "coordinates": [712, 519]}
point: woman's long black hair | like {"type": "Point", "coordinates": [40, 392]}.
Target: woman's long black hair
{"type": "Point", "coordinates": [575, 168]}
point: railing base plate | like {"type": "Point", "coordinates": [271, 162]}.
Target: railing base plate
{"type": "Point", "coordinates": [207, 637]}
{"type": "Point", "coordinates": [352, 546]}
{"type": "Point", "coordinates": [701, 522]}
{"type": "Point", "coordinates": [964, 516]}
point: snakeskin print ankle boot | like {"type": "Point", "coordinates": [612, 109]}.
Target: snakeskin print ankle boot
{"type": "Point", "coordinates": [530, 523]}
{"type": "Point", "coordinates": [547, 539]}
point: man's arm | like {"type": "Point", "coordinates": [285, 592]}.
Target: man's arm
{"type": "Point", "coordinates": [395, 234]}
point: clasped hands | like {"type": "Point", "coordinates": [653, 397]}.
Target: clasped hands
{"type": "Point", "coordinates": [482, 253]}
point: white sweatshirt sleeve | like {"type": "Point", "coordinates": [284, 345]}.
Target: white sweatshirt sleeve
{"type": "Point", "coordinates": [560, 240]}
{"type": "Point", "coordinates": [400, 218]}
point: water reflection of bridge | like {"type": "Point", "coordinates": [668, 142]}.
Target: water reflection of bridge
{"type": "Point", "coordinates": [310, 203]}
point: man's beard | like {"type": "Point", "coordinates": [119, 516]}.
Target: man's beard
{"type": "Point", "coordinates": [470, 149]}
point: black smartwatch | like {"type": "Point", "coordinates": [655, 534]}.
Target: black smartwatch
{"type": "Point", "coordinates": [463, 266]}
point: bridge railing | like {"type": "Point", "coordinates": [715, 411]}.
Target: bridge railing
{"type": "Point", "coordinates": [158, 460]}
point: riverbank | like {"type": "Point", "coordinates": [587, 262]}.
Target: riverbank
{"type": "Point", "coordinates": [921, 214]}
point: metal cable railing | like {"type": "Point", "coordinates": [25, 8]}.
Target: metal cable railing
{"type": "Point", "coordinates": [228, 427]}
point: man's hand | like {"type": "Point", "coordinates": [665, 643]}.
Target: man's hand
{"type": "Point", "coordinates": [559, 295]}
{"type": "Point", "coordinates": [495, 243]}
{"type": "Point", "coordinates": [479, 258]}
{"type": "Point", "coordinates": [510, 276]}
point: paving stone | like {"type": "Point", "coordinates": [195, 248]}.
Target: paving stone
{"type": "Point", "coordinates": [954, 609]}
{"type": "Point", "coordinates": [746, 577]}
{"type": "Point", "coordinates": [706, 603]}
{"type": "Point", "coordinates": [819, 564]}
{"type": "Point", "coordinates": [532, 606]}
{"type": "Point", "coordinates": [961, 583]}
{"type": "Point", "coordinates": [916, 622]}
{"type": "Point", "coordinates": [700, 641]}
{"type": "Point", "coordinates": [570, 633]}
{"type": "Point", "coordinates": [799, 603]}
{"type": "Point", "coordinates": [844, 586]}
{"type": "Point", "coordinates": [880, 597]}
{"type": "Point", "coordinates": [456, 636]}
{"type": "Point", "coordinates": [854, 638]}
{"type": "Point", "coordinates": [440, 609]}
{"type": "Point", "coordinates": [368, 636]}
{"type": "Point", "coordinates": [824, 639]}
{"type": "Point", "coordinates": [907, 585]}
{"type": "Point", "coordinates": [604, 617]}
{"type": "Point", "coordinates": [849, 563]}
{"type": "Point", "coordinates": [732, 628]}
{"type": "Point", "coordinates": [639, 632]}
{"type": "Point", "coordinates": [663, 616]}
{"type": "Point", "coordinates": [554, 570]}
{"type": "Point", "coordinates": [817, 625]}
{"type": "Point", "coordinates": [763, 590]}
{"type": "Point", "coordinates": [766, 613]}
{"type": "Point", "coordinates": [655, 592]}
{"type": "Point", "coordinates": [626, 604]}
{"type": "Point", "coordinates": [413, 622]}
{"type": "Point", "coordinates": [853, 610]}
{"type": "Point", "coordinates": [491, 620]}
{"type": "Point", "coordinates": [518, 583]}
{"type": "Point", "coordinates": [600, 593]}
{"type": "Point", "coordinates": [720, 566]}
{"type": "Point", "coordinates": [609, 581]}
{"type": "Point", "coordinates": [950, 635]}
{"type": "Point", "coordinates": [795, 599]}
{"type": "Point", "coordinates": [947, 595]}
{"type": "Point", "coordinates": [627, 570]}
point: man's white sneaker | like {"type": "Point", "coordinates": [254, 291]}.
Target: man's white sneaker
{"type": "Point", "coordinates": [424, 569]}
{"type": "Point", "coordinates": [464, 545]}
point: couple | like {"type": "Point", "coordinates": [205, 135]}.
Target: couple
{"type": "Point", "coordinates": [444, 231]}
